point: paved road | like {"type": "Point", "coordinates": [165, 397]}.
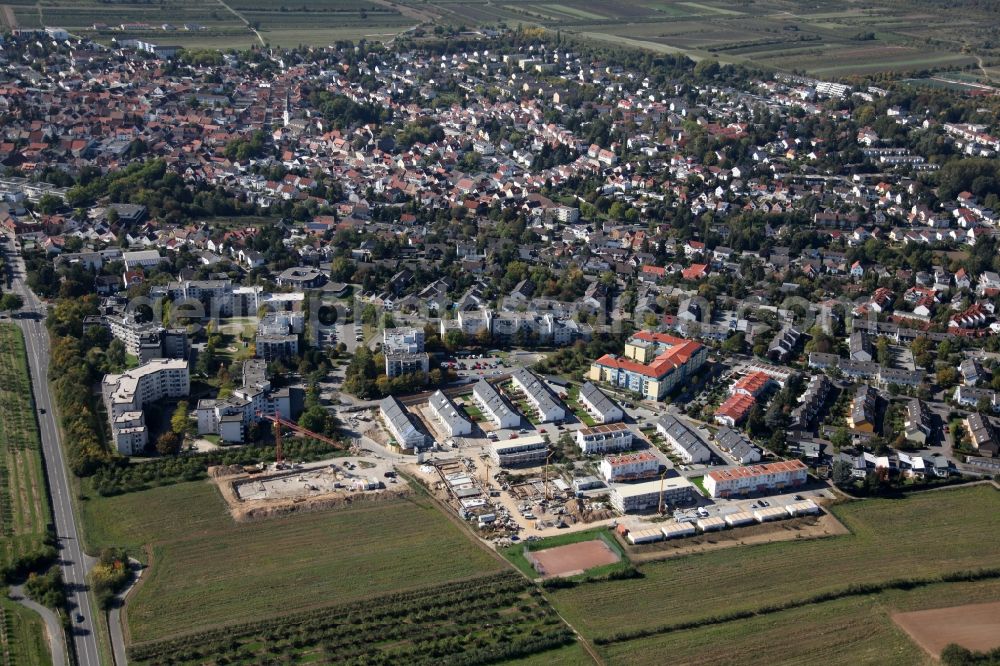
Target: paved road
{"type": "Point", "coordinates": [115, 627]}
{"type": "Point", "coordinates": [53, 627]}
{"type": "Point", "coordinates": [74, 563]}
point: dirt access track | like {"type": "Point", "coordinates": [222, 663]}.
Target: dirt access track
{"type": "Point", "coordinates": [973, 626]}
{"type": "Point", "coordinates": [573, 558]}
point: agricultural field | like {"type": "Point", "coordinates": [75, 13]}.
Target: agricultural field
{"type": "Point", "coordinates": [573, 654]}
{"type": "Point", "coordinates": [857, 630]}
{"type": "Point", "coordinates": [24, 505]}
{"type": "Point", "coordinates": [924, 535]}
{"type": "Point", "coordinates": [207, 570]}
{"type": "Point", "coordinates": [212, 25]}
{"type": "Point", "coordinates": [832, 39]}
{"type": "Point", "coordinates": [498, 616]}
{"type": "Point", "coordinates": [22, 636]}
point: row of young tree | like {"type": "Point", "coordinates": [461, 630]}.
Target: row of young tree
{"type": "Point", "coordinates": [500, 617]}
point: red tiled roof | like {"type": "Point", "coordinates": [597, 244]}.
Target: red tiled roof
{"type": "Point", "coordinates": [627, 458]}
{"type": "Point", "coordinates": [753, 383]}
{"type": "Point", "coordinates": [681, 351]}
{"type": "Point", "coordinates": [736, 406]}
{"type": "Point", "coordinates": [757, 470]}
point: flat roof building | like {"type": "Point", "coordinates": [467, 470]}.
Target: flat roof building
{"type": "Point", "coordinates": [524, 451]}
{"type": "Point", "coordinates": [711, 524]}
{"type": "Point", "coordinates": [408, 340]}
{"type": "Point", "coordinates": [674, 530]}
{"type": "Point", "coordinates": [601, 438]}
{"type": "Point", "coordinates": [126, 394]}
{"type": "Point", "coordinates": [639, 497]}
{"type": "Point", "coordinates": [406, 363]}
{"type": "Point", "coordinates": [637, 537]}
{"type": "Point", "coordinates": [740, 519]}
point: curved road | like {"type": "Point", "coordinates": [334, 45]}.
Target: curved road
{"type": "Point", "coordinates": [72, 559]}
{"type": "Point", "coordinates": [53, 626]}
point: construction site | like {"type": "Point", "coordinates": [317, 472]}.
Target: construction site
{"type": "Point", "coordinates": [254, 493]}
{"type": "Point", "coordinates": [505, 508]}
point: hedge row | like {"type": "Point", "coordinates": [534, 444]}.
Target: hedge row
{"type": "Point", "coordinates": [853, 590]}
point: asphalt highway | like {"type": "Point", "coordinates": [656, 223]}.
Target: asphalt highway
{"type": "Point", "coordinates": [74, 562]}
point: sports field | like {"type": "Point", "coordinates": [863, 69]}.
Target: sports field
{"type": "Point", "coordinates": [573, 558]}
{"type": "Point", "coordinates": [924, 535]}
{"type": "Point", "coordinates": [207, 570]}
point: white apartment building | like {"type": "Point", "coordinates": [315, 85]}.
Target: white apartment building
{"type": "Point", "coordinates": [531, 450]}
{"type": "Point", "coordinates": [756, 478]}
{"type": "Point", "coordinates": [602, 408]}
{"type": "Point", "coordinates": [630, 467]}
{"type": "Point", "coordinates": [400, 425]}
{"type": "Point", "coordinates": [601, 438]}
{"type": "Point", "coordinates": [230, 417]}
{"type": "Point", "coordinates": [539, 396]}
{"type": "Point", "coordinates": [405, 363]}
{"type": "Point", "coordinates": [404, 340]}
{"type": "Point", "coordinates": [448, 416]}
{"type": "Point", "coordinates": [494, 405]}
{"type": "Point", "coordinates": [128, 392]}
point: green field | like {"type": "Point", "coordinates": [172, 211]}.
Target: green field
{"type": "Point", "coordinates": [833, 38]}
{"type": "Point", "coordinates": [494, 618]}
{"type": "Point", "coordinates": [23, 639]}
{"type": "Point", "coordinates": [24, 507]}
{"type": "Point", "coordinates": [208, 570]}
{"type": "Point", "coordinates": [838, 633]}
{"type": "Point", "coordinates": [568, 655]}
{"type": "Point", "coordinates": [921, 536]}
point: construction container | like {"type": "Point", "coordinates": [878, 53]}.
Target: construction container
{"type": "Point", "coordinates": [740, 519]}
{"type": "Point", "coordinates": [767, 514]}
{"type": "Point", "coordinates": [711, 524]}
{"type": "Point", "coordinates": [637, 537]}
{"type": "Point", "coordinates": [803, 508]}
{"type": "Point", "coordinates": [677, 530]}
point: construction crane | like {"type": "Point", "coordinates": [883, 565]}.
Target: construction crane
{"type": "Point", "coordinates": [279, 422]}
{"type": "Point", "coordinates": [662, 476]}
{"type": "Point", "coordinates": [545, 476]}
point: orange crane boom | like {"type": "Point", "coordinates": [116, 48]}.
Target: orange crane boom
{"type": "Point", "coordinates": [279, 422]}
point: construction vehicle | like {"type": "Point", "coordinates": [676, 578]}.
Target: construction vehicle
{"type": "Point", "coordinates": [279, 422]}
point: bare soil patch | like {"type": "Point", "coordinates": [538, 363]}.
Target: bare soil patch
{"type": "Point", "coordinates": [973, 626]}
{"type": "Point", "coordinates": [573, 558]}
{"type": "Point", "coordinates": [805, 527]}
